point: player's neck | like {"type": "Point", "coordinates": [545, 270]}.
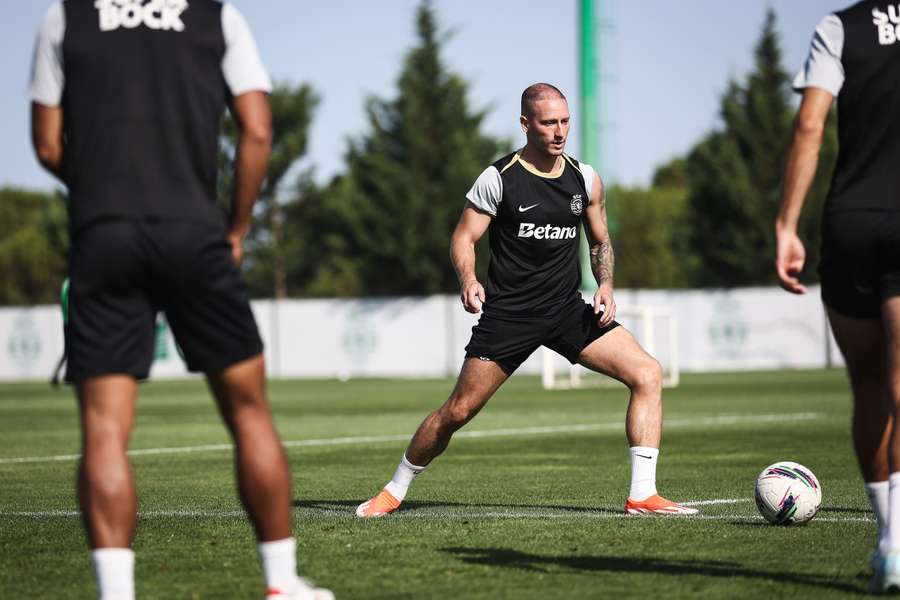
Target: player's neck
{"type": "Point", "coordinates": [540, 161]}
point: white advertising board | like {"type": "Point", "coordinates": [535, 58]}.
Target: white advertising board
{"type": "Point", "coordinates": [32, 342]}
{"type": "Point", "coordinates": [718, 330]}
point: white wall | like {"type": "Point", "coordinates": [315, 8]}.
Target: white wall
{"type": "Point", "coordinates": [31, 342]}
{"type": "Point", "coordinates": [733, 330]}
{"type": "Point", "coordinates": [745, 329]}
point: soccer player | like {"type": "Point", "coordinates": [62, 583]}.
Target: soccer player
{"type": "Point", "coordinates": [533, 202]}
{"type": "Point", "coordinates": [128, 98]}
{"type": "Point", "coordinates": [855, 57]}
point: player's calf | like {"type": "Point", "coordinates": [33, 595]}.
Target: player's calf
{"type": "Point", "coordinates": [477, 383]}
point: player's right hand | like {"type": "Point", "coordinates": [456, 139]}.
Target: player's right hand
{"type": "Point", "coordinates": [790, 257]}
{"type": "Point", "coordinates": [604, 305]}
{"type": "Point", "coordinates": [472, 296]}
{"type": "Point", "coordinates": [237, 247]}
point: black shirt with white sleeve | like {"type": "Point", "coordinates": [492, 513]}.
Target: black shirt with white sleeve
{"type": "Point", "coordinates": [143, 85]}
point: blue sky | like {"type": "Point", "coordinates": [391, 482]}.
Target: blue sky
{"type": "Point", "coordinates": [665, 63]}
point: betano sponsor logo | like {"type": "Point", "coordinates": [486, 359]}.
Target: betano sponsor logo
{"type": "Point", "coordinates": [156, 14]}
{"type": "Point", "coordinates": [547, 232]}
{"type": "Point", "coordinates": [888, 24]}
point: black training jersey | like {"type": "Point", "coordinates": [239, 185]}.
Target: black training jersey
{"type": "Point", "coordinates": [855, 55]}
{"type": "Point", "coordinates": [143, 85]}
{"type": "Point", "coordinates": [535, 233]}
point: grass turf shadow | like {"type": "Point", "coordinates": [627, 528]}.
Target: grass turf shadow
{"type": "Point", "coordinates": [509, 558]}
{"type": "Point", "coordinates": [413, 505]}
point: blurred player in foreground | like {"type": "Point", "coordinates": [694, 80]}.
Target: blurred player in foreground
{"type": "Point", "coordinates": [534, 202]}
{"type": "Point", "coordinates": [128, 99]}
{"type": "Point", "coordinates": [855, 57]}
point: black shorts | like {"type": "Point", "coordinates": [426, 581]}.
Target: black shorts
{"type": "Point", "coordinates": [509, 341]}
{"type": "Point", "coordinates": [122, 272]}
{"type": "Point", "coordinates": [860, 266]}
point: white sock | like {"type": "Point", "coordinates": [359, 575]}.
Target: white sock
{"type": "Point", "coordinates": [403, 476]}
{"type": "Point", "coordinates": [279, 564]}
{"type": "Point", "coordinates": [643, 472]}
{"type": "Point", "coordinates": [878, 492]}
{"type": "Point", "coordinates": [114, 569]}
{"type": "Point", "coordinates": [893, 543]}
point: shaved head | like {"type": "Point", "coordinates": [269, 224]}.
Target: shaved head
{"type": "Point", "coordinates": [535, 93]}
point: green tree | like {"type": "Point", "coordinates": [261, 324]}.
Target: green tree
{"type": "Point", "coordinates": [649, 248]}
{"type": "Point", "coordinates": [316, 248]}
{"type": "Point", "coordinates": [734, 176]}
{"type": "Point", "coordinates": [33, 244]}
{"type": "Point", "coordinates": [671, 175]}
{"type": "Point", "coordinates": [265, 265]}
{"type": "Point", "coordinates": [406, 179]}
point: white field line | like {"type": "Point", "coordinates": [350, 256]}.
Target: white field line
{"type": "Point", "coordinates": [463, 513]}
{"type": "Point", "coordinates": [720, 501]}
{"type": "Point", "coordinates": [486, 433]}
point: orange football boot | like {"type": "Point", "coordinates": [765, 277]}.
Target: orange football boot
{"type": "Point", "coordinates": [657, 505]}
{"type": "Point", "coordinates": [382, 504]}
{"type": "Point", "coordinates": [305, 591]}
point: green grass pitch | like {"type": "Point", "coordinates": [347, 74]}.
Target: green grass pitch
{"type": "Point", "coordinates": [526, 505]}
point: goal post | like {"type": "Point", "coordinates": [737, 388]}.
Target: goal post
{"type": "Point", "coordinates": [654, 327]}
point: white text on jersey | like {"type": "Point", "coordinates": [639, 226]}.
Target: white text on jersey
{"type": "Point", "coordinates": [888, 24]}
{"type": "Point", "coordinates": [547, 232]}
{"type": "Point", "coordinates": [155, 14]}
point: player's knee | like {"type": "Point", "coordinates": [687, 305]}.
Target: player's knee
{"type": "Point", "coordinates": [865, 372]}
{"type": "Point", "coordinates": [104, 438]}
{"type": "Point", "coordinates": [243, 406]}
{"type": "Point", "coordinates": [253, 403]}
{"type": "Point", "coordinates": [251, 420]}
{"type": "Point", "coordinates": [647, 377]}
{"type": "Point", "coordinates": [869, 389]}
{"type": "Point", "coordinates": [456, 413]}
{"type": "Point", "coordinates": [893, 395]}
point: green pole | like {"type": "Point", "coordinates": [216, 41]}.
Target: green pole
{"type": "Point", "coordinates": [588, 84]}
{"type": "Point", "coordinates": [588, 119]}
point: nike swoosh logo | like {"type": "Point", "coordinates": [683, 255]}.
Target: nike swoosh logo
{"type": "Point", "coordinates": [527, 208]}
{"type": "Point", "coordinates": [642, 456]}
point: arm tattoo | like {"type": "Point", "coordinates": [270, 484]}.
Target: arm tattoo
{"type": "Point", "coordinates": [602, 261]}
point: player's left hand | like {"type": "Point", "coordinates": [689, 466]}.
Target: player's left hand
{"type": "Point", "coordinates": [472, 296]}
{"type": "Point", "coordinates": [604, 303]}
{"type": "Point", "coordinates": [237, 247]}
{"type": "Point", "coordinates": [789, 260]}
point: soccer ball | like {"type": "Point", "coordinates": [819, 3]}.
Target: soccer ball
{"type": "Point", "coordinates": [788, 493]}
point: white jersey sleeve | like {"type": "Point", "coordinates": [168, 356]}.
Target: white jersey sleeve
{"type": "Point", "coordinates": [242, 66]}
{"type": "Point", "coordinates": [47, 75]}
{"type": "Point", "coordinates": [588, 173]}
{"type": "Point", "coordinates": [823, 68]}
{"type": "Point", "coordinates": [487, 191]}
